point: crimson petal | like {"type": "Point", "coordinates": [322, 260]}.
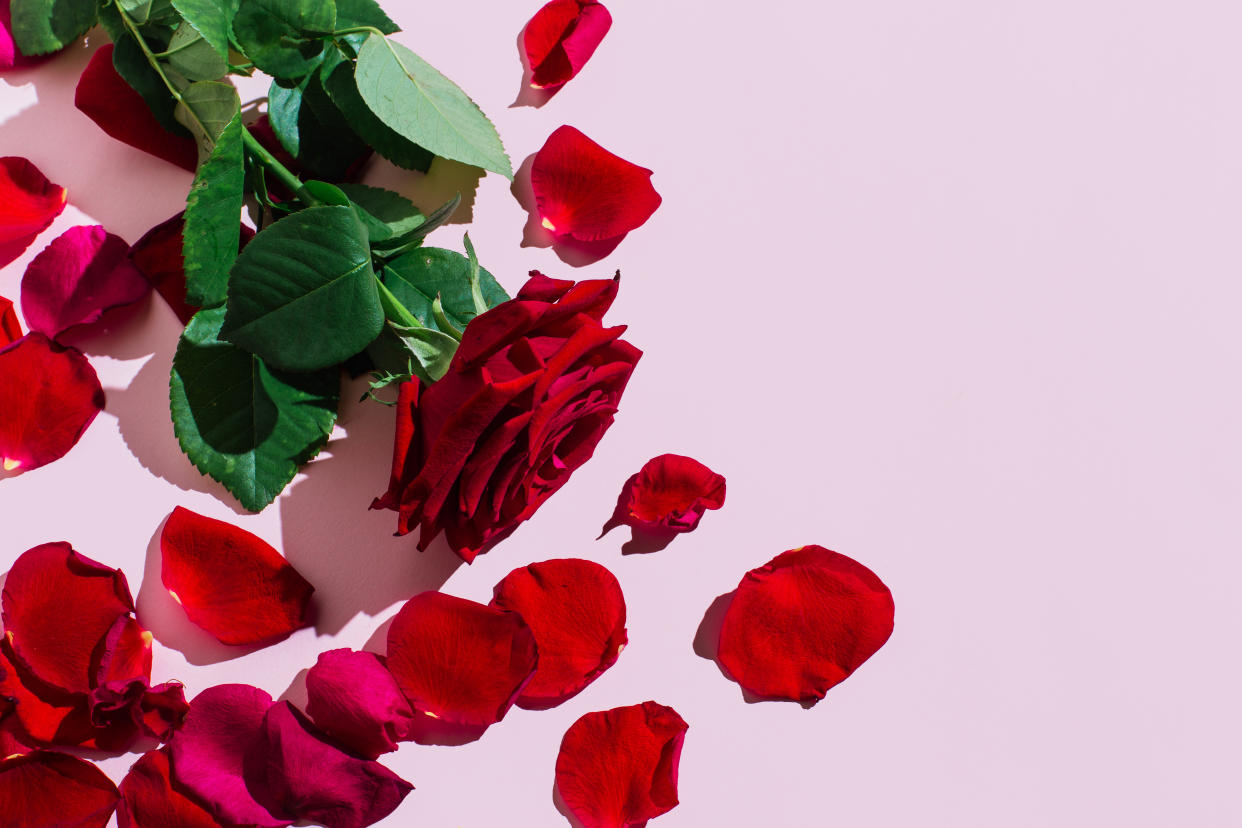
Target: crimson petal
{"type": "Point", "coordinates": [670, 493]}
{"type": "Point", "coordinates": [28, 201]}
{"type": "Point", "coordinates": [576, 611]}
{"type": "Point", "coordinates": [158, 257]}
{"type": "Point", "coordinates": [151, 799]}
{"type": "Point", "coordinates": [458, 661]}
{"type": "Point", "coordinates": [43, 714]}
{"type": "Point", "coordinates": [561, 38]}
{"type": "Point", "coordinates": [43, 789]}
{"type": "Point", "coordinates": [618, 768]}
{"type": "Point", "coordinates": [353, 698]}
{"type": "Point", "coordinates": [10, 328]}
{"type": "Point", "coordinates": [802, 623]}
{"type": "Point", "coordinates": [231, 583]}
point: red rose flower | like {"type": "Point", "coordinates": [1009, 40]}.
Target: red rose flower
{"type": "Point", "coordinates": [530, 392]}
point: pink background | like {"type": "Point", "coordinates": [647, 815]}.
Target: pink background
{"type": "Point", "coordinates": [951, 288]}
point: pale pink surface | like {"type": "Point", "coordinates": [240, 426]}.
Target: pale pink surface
{"type": "Point", "coordinates": [980, 265]}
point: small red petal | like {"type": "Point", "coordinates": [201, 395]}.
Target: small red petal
{"type": "Point", "coordinates": [231, 583]}
{"type": "Point", "coordinates": [802, 623]}
{"type": "Point", "coordinates": [585, 192]}
{"type": "Point", "coordinates": [561, 38]}
{"type": "Point", "coordinates": [353, 698]}
{"type": "Point", "coordinates": [49, 395]}
{"type": "Point", "coordinates": [81, 274]}
{"type": "Point", "coordinates": [127, 653]}
{"type": "Point", "coordinates": [10, 328]}
{"type": "Point", "coordinates": [671, 493]}
{"type": "Point", "coordinates": [44, 789]}
{"type": "Point", "coordinates": [105, 98]}
{"type": "Point", "coordinates": [618, 768]}
{"type": "Point", "coordinates": [577, 612]}
{"type": "Point", "coordinates": [150, 798]}
{"type": "Point", "coordinates": [458, 661]}
{"type": "Point", "coordinates": [28, 201]}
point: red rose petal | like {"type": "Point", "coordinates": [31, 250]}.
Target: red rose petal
{"type": "Point", "coordinates": [28, 201]}
{"type": "Point", "coordinates": [585, 192]}
{"type": "Point", "coordinates": [561, 38]}
{"type": "Point", "coordinates": [10, 328]}
{"type": "Point", "coordinates": [458, 661]}
{"type": "Point", "coordinates": [618, 768]}
{"type": "Point", "coordinates": [49, 395]}
{"type": "Point", "coordinates": [45, 789]}
{"type": "Point", "coordinates": [42, 713]}
{"type": "Point", "coordinates": [150, 798]}
{"type": "Point", "coordinates": [670, 494]}
{"type": "Point", "coordinates": [127, 653]}
{"type": "Point", "coordinates": [802, 623]}
{"type": "Point", "coordinates": [81, 274]}
{"type": "Point", "coordinates": [231, 583]}
{"type": "Point", "coordinates": [105, 98]}
{"type": "Point", "coordinates": [353, 698]}
{"type": "Point", "coordinates": [577, 613]}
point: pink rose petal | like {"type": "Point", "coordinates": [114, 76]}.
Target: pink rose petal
{"type": "Point", "coordinates": [354, 699]}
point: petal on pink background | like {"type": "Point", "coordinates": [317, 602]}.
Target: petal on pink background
{"type": "Point", "coordinates": [561, 38]}
{"type": "Point", "coordinates": [54, 789]}
{"type": "Point", "coordinates": [10, 328]}
{"type": "Point", "coordinates": [28, 201]}
{"type": "Point", "coordinates": [670, 493]}
{"type": "Point", "coordinates": [353, 698]}
{"type": "Point", "coordinates": [82, 273]}
{"type": "Point", "coordinates": [150, 798]}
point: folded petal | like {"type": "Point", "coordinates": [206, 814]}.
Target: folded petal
{"type": "Point", "coordinates": [151, 799]}
{"type": "Point", "coordinates": [42, 714]}
{"type": "Point", "coordinates": [10, 328]}
{"type": "Point", "coordinates": [561, 38]}
{"type": "Point", "coordinates": [49, 395]}
{"type": "Point", "coordinates": [458, 661]}
{"type": "Point", "coordinates": [671, 493]}
{"type": "Point", "coordinates": [28, 201]}
{"type": "Point", "coordinates": [585, 192]}
{"type": "Point", "coordinates": [45, 789]}
{"type": "Point", "coordinates": [353, 698]}
{"type": "Point", "coordinates": [127, 653]}
{"type": "Point", "coordinates": [577, 613]}
{"type": "Point", "coordinates": [618, 768]}
{"type": "Point", "coordinates": [231, 583]}
{"type": "Point", "coordinates": [803, 623]}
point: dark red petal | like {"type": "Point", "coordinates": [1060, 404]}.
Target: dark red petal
{"type": "Point", "coordinates": [671, 493]}
{"type": "Point", "coordinates": [618, 768]}
{"type": "Point", "coordinates": [81, 274]}
{"type": "Point", "coordinates": [55, 790]}
{"type": "Point", "coordinates": [585, 192]}
{"type": "Point", "coordinates": [561, 38]}
{"type": "Point", "coordinates": [110, 102]}
{"type": "Point", "coordinates": [49, 395]}
{"type": "Point", "coordinates": [231, 583]}
{"type": "Point", "coordinates": [459, 661]}
{"type": "Point", "coordinates": [10, 328]}
{"type": "Point", "coordinates": [577, 612]}
{"type": "Point", "coordinates": [150, 798]}
{"type": "Point", "coordinates": [158, 257]}
{"type": "Point", "coordinates": [28, 201]}
{"type": "Point", "coordinates": [353, 698]}
{"type": "Point", "coordinates": [304, 777]}
{"type": "Point", "coordinates": [803, 623]}
{"type": "Point", "coordinates": [42, 713]}
{"type": "Point", "coordinates": [407, 459]}
{"type": "Point", "coordinates": [162, 710]}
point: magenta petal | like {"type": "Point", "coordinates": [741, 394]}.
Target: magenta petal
{"type": "Point", "coordinates": [354, 699]}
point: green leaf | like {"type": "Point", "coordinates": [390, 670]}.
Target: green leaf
{"type": "Point", "coordinates": [302, 295]}
{"type": "Point", "coordinates": [312, 129]}
{"type": "Point", "coordinates": [352, 14]}
{"type": "Point", "coordinates": [413, 98]}
{"type": "Point", "coordinates": [206, 108]}
{"type": "Point", "coordinates": [43, 26]}
{"type": "Point", "coordinates": [401, 245]}
{"type": "Point", "coordinates": [138, 10]}
{"type": "Point", "coordinates": [282, 36]}
{"type": "Point", "coordinates": [190, 54]}
{"type": "Point", "coordinates": [213, 219]}
{"type": "Point", "coordinates": [240, 422]}
{"type": "Point", "coordinates": [338, 80]}
{"type": "Point", "coordinates": [419, 276]}
{"type": "Point", "coordinates": [131, 64]}
{"type": "Point", "coordinates": [423, 352]}
{"type": "Point", "coordinates": [386, 214]}
{"type": "Point", "coordinates": [476, 278]}
{"type": "Point", "coordinates": [213, 19]}
{"type": "Point", "coordinates": [326, 193]}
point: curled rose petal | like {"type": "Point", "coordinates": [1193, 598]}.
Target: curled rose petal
{"type": "Point", "coordinates": [802, 623]}
{"type": "Point", "coordinates": [151, 799]}
{"type": "Point", "coordinates": [584, 192]}
{"type": "Point", "coordinates": [28, 201]}
{"type": "Point", "coordinates": [54, 789]}
{"type": "Point", "coordinates": [458, 661]}
{"type": "Point", "coordinates": [618, 768]}
{"type": "Point", "coordinates": [577, 613]}
{"type": "Point", "coordinates": [49, 395]}
{"type": "Point", "coordinates": [670, 494]}
{"type": "Point", "coordinates": [230, 582]}
{"type": "Point", "coordinates": [82, 273]}
{"type": "Point", "coordinates": [353, 698]}
{"type": "Point", "coordinates": [561, 38]}
{"type": "Point", "coordinates": [10, 328]}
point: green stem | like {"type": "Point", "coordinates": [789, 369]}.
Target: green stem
{"type": "Point", "coordinates": [268, 160]}
{"type": "Point", "coordinates": [394, 311]}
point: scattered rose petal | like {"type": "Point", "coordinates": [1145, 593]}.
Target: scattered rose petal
{"type": "Point", "coordinates": [670, 494]}
{"type": "Point", "coordinates": [45, 789]}
{"type": "Point", "coordinates": [577, 613]}
{"type": "Point", "coordinates": [803, 623]}
{"type": "Point", "coordinates": [561, 38]}
{"type": "Point", "coordinates": [10, 328]}
{"type": "Point", "coordinates": [618, 768]}
{"type": "Point", "coordinates": [49, 395]}
{"type": "Point", "coordinates": [42, 713]}
{"type": "Point", "coordinates": [81, 274]}
{"type": "Point", "coordinates": [108, 100]}
{"type": "Point", "coordinates": [584, 192]}
{"type": "Point", "coordinates": [353, 698]}
{"type": "Point", "coordinates": [151, 799]}
{"type": "Point", "coordinates": [458, 661]}
{"type": "Point", "coordinates": [231, 583]}
{"type": "Point", "coordinates": [28, 201]}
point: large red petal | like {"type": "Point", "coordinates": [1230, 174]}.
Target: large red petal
{"type": "Point", "coordinates": [561, 38]}
{"type": "Point", "coordinates": [10, 328]}
{"type": "Point", "coordinates": [231, 583]}
{"type": "Point", "coordinates": [671, 493]}
{"type": "Point", "coordinates": [803, 623]}
{"type": "Point", "coordinates": [81, 274]}
{"type": "Point", "coordinates": [150, 798]}
{"type": "Point", "coordinates": [353, 698]}
{"type": "Point", "coordinates": [585, 192]}
{"type": "Point", "coordinates": [28, 201]}
{"type": "Point", "coordinates": [577, 612]}
{"type": "Point", "coordinates": [55, 790]}
{"type": "Point", "coordinates": [458, 661]}
{"type": "Point", "coordinates": [42, 713]}
{"type": "Point", "coordinates": [618, 768]}
{"type": "Point", "coordinates": [105, 98]}
{"type": "Point", "coordinates": [49, 395]}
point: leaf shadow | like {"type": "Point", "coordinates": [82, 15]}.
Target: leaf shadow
{"type": "Point", "coordinates": [431, 190]}
{"type": "Point", "coordinates": [529, 94]}
{"type": "Point", "coordinates": [570, 251]}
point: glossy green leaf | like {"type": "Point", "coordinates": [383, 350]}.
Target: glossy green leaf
{"type": "Point", "coordinates": [43, 26]}
{"type": "Point", "coordinates": [355, 13]}
{"type": "Point", "coordinates": [206, 108]}
{"type": "Point", "coordinates": [302, 295]}
{"type": "Point", "coordinates": [212, 219]}
{"type": "Point", "coordinates": [138, 10]}
{"type": "Point", "coordinates": [313, 130]}
{"type": "Point", "coordinates": [240, 422]}
{"type": "Point", "coordinates": [282, 37]}
{"type": "Point", "coordinates": [419, 276]}
{"type": "Point", "coordinates": [191, 55]}
{"type": "Point", "coordinates": [326, 193]}
{"type": "Point", "coordinates": [212, 19]}
{"type": "Point", "coordinates": [425, 353]}
{"type": "Point", "coordinates": [338, 80]}
{"type": "Point", "coordinates": [400, 245]}
{"type": "Point", "coordinates": [387, 215]}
